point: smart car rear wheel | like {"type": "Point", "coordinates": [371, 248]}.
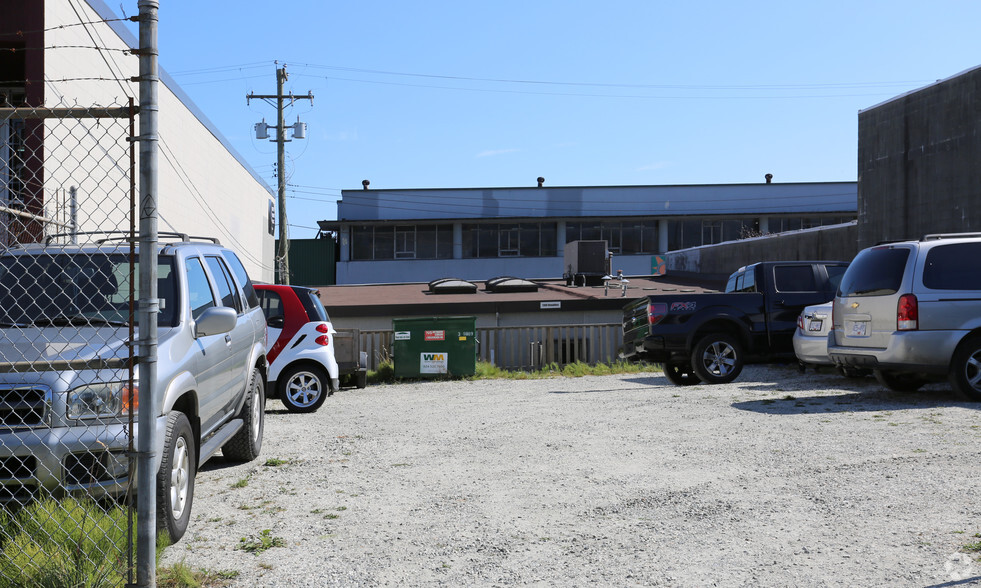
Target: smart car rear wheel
{"type": "Point", "coordinates": [175, 479]}
{"type": "Point", "coordinates": [303, 388]}
{"type": "Point", "coordinates": [680, 374]}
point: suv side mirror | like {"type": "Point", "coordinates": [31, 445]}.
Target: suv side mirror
{"type": "Point", "coordinates": [276, 322]}
{"type": "Point", "coordinates": [215, 320]}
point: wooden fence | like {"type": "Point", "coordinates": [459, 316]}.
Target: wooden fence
{"type": "Point", "coordinates": [523, 348]}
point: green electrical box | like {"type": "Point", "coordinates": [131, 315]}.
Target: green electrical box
{"type": "Point", "coordinates": [435, 347]}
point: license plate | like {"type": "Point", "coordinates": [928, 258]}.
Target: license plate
{"type": "Point", "coordinates": [859, 329]}
{"type": "Point", "coordinates": [815, 325]}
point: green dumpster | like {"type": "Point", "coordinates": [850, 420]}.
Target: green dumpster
{"type": "Point", "coordinates": [435, 347]}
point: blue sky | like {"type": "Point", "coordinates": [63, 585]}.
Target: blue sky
{"type": "Point", "coordinates": [464, 94]}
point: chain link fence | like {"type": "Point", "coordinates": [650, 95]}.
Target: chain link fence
{"type": "Point", "coordinates": [67, 319]}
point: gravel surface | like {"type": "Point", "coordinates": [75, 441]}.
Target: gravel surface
{"type": "Point", "coordinates": [777, 479]}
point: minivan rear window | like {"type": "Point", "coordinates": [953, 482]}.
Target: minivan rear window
{"type": "Point", "coordinates": [953, 267]}
{"type": "Point", "coordinates": [875, 272]}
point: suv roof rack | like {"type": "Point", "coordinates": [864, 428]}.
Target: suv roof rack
{"type": "Point", "coordinates": [127, 236]}
{"type": "Point", "coordinates": [935, 236]}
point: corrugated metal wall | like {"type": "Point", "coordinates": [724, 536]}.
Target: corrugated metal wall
{"type": "Point", "coordinates": [312, 262]}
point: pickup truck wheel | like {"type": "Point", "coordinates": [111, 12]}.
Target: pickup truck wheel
{"type": "Point", "coordinates": [245, 445]}
{"type": "Point", "coordinates": [680, 374]}
{"type": "Point", "coordinates": [175, 479]}
{"type": "Point", "coordinates": [717, 358]}
{"type": "Point", "coordinates": [965, 369]}
{"type": "Point", "coordinates": [303, 388]}
{"type": "Point", "coordinates": [898, 382]}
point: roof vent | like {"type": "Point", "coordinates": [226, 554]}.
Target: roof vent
{"type": "Point", "coordinates": [452, 286]}
{"type": "Point", "coordinates": [510, 284]}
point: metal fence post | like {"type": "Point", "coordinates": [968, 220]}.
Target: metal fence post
{"type": "Point", "coordinates": [146, 521]}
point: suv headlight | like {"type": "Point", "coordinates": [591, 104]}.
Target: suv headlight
{"type": "Point", "coordinates": [106, 399]}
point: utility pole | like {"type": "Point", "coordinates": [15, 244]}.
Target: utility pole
{"type": "Point", "coordinates": [299, 132]}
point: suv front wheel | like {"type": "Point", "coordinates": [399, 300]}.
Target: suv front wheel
{"type": "Point", "coordinates": [965, 368]}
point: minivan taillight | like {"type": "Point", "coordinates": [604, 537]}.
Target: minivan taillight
{"type": "Point", "coordinates": [907, 313]}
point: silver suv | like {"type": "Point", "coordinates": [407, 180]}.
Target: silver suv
{"type": "Point", "coordinates": [65, 395]}
{"type": "Point", "coordinates": [911, 311]}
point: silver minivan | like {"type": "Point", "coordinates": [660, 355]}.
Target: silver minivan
{"type": "Point", "coordinates": [911, 311]}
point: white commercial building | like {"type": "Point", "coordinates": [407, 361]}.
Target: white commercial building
{"type": "Point", "coordinates": [75, 54]}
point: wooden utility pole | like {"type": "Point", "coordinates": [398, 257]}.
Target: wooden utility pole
{"type": "Point", "coordinates": [281, 140]}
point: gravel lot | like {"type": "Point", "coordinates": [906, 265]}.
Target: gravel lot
{"type": "Point", "coordinates": [777, 479]}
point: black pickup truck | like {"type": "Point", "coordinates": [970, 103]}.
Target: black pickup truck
{"type": "Point", "coordinates": [708, 337]}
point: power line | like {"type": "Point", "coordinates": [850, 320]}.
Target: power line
{"type": "Point", "coordinates": [586, 95]}
{"type": "Point", "coordinates": [219, 69]}
{"type": "Point", "coordinates": [64, 26]}
{"type": "Point", "coordinates": [621, 85]}
{"type": "Point", "coordinates": [828, 86]}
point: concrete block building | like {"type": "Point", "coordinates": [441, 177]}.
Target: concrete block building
{"type": "Point", "coordinates": [919, 162]}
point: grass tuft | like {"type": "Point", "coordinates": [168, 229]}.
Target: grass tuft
{"type": "Point", "coordinates": [256, 544]}
{"type": "Point", "coordinates": [70, 542]}
{"type": "Point", "coordinates": [385, 374]}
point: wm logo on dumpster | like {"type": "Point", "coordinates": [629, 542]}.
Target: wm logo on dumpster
{"type": "Point", "coordinates": [433, 362]}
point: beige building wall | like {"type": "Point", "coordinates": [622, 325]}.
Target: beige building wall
{"type": "Point", "coordinates": [203, 189]}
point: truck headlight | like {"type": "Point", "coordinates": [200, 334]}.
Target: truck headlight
{"type": "Point", "coordinates": [107, 399]}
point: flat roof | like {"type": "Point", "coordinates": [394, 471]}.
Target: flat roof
{"type": "Point", "coordinates": [415, 299]}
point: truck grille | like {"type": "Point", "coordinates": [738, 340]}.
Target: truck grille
{"type": "Point", "coordinates": [23, 407]}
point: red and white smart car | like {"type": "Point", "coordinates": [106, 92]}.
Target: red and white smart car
{"type": "Point", "coordinates": [300, 343]}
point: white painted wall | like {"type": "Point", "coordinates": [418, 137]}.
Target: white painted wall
{"type": "Point", "coordinates": [203, 189]}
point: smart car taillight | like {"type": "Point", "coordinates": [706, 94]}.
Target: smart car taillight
{"type": "Point", "coordinates": [322, 328]}
{"type": "Point", "coordinates": [322, 340]}
{"type": "Point", "coordinates": [907, 313]}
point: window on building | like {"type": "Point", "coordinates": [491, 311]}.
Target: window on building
{"type": "Point", "coordinates": [683, 234]}
{"type": "Point", "coordinates": [405, 242]}
{"type": "Point", "coordinates": [782, 224]}
{"type": "Point", "coordinates": [509, 240]}
{"type": "Point", "coordinates": [711, 232]}
{"type": "Point", "coordinates": [622, 237]}
{"type": "Point", "coordinates": [376, 243]}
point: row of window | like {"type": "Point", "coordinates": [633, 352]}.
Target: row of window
{"type": "Point", "coordinates": [483, 240]}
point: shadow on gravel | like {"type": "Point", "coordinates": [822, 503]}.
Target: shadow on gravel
{"type": "Point", "coordinates": [583, 391]}
{"type": "Point", "coordinates": [218, 462]}
{"type": "Point", "coordinates": [866, 401]}
{"type": "Point", "coordinates": [648, 381]}
{"type": "Point", "coordinates": [963, 582]}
